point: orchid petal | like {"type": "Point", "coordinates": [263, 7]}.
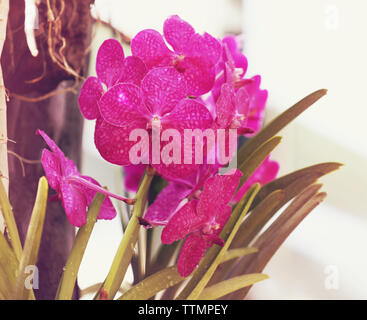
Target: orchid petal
{"type": "Point", "coordinates": [150, 47]}
{"type": "Point", "coordinates": [90, 93]}
{"type": "Point", "coordinates": [191, 253]}
{"type": "Point", "coordinates": [205, 47]}
{"type": "Point", "coordinates": [120, 105]}
{"type": "Point", "coordinates": [133, 175]}
{"type": "Point", "coordinates": [166, 203]}
{"type": "Point", "coordinates": [177, 32]}
{"type": "Point", "coordinates": [163, 88]}
{"type": "Point", "coordinates": [52, 169]}
{"type": "Point", "coordinates": [133, 70]}
{"type": "Point", "coordinates": [109, 62]}
{"type": "Point", "coordinates": [217, 193]}
{"type": "Point", "coordinates": [184, 221]}
{"type": "Point", "coordinates": [74, 203]}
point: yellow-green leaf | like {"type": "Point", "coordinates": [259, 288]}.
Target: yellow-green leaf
{"type": "Point", "coordinates": [228, 286]}
{"type": "Point", "coordinates": [151, 285]}
{"type": "Point", "coordinates": [33, 239]}
{"type": "Point", "coordinates": [11, 227]}
{"type": "Point", "coordinates": [237, 253]}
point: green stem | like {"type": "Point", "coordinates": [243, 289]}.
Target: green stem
{"type": "Point", "coordinates": [67, 282]}
{"type": "Point", "coordinates": [125, 251]}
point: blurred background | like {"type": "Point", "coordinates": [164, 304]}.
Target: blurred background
{"type": "Point", "coordinates": [297, 47]}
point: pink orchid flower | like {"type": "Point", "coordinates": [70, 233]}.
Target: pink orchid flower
{"type": "Point", "coordinates": [133, 175]}
{"type": "Point", "coordinates": [265, 173]}
{"type": "Point", "coordinates": [193, 55]}
{"type": "Point", "coordinates": [169, 199]}
{"type": "Point", "coordinates": [75, 191]}
{"type": "Point", "coordinates": [159, 104]}
{"type": "Point", "coordinates": [202, 220]}
{"type": "Point", "coordinates": [112, 67]}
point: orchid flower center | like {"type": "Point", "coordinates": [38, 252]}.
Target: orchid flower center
{"type": "Point", "coordinates": [155, 123]}
{"type": "Point", "coordinates": [237, 120]}
{"type": "Point", "coordinates": [210, 227]}
{"type": "Point", "coordinates": [176, 62]}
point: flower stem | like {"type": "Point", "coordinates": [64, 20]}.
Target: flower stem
{"type": "Point", "coordinates": [67, 282]}
{"type": "Point", "coordinates": [93, 186]}
{"type": "Point", "coordinates": [125, 251]}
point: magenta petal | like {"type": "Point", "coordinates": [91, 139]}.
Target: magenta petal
{"type": "Point", "coordinates": [217, 193]}
{"type": "Point", "coordinates": [133, 70]}
{"type": "Point", "coordinates": [133, 175]}
{"type": "Point", "coordinates": [184, 221]}
{"type": "Point", "coordinates": [52, 169]}
{"type": "Point", "coordinates": [166, 203]}
{"type": "Point", "coordinates": [225, 107]}
{"type": "Point", "coordinates": [191, 253]}
{"type": "Point", "coordinates": [113, 142]}
{"type": "Point", "coordinates": [239, 59]}
{"type": "Point", "coordinates": [162, 89]}
{"type": "Point", "coordinates": [107, 211]}
{"type": "Point", "coordinates": [68, 167]}
{"type": "Point", "coordinates": [109, 63]}
{"type": "Point", "coordinates": [205, 47]}
{"type": "Point", "coordinates": [198, 75]}
{"type": "Point", "coordinates": [90, 93]}
{"type": "Point", "coordinates": [74, 203]}
{"type": "Point", "coordinates": [177, 32]}
{"type": "Point", "coordinates": [120, 105]}
{"type": "Point", "coordinates": [149, 46]}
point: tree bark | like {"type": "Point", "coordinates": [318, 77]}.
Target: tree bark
{"type": "Point", "coordinates": [27, 78]}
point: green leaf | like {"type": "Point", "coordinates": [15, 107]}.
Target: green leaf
{"type": "Point", "coordinates": [237, 253]}
{"type": "Point", "coordinates": [248, 166]}
{"type": "Point", "coordinates": [8, 268]}
{"type": "Point", "coordinates": [271, 239]}
{"type": "Point", "coordinates": [125, 250]}
{"type": "Point", "coordinates": [215, 254]}
{"type": "Point", "coordinates": [278, 123]}
{"type": "Point", "coordinates": [316, 171]}
{"type": "Point", "coordinates": [228, 286]}
{"type": "Point", "coordinates": [33, 239]}
{"type": "Point", "coordinates": [153, 284]}
{"type": "Point", "coordinates": [11, 226]}
{"type": "Point", "coordinates": [70, 273]}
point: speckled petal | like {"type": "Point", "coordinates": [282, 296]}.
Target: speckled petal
{"type": "Point", "coordinates": [90, 93]}
{"type": "Point", "coordinates": [177, 33]}
{"type": "Point", "coordinates": [133, 175]}
{"type": "Point", "coordinates": [133, 70]}
{"type": "Point", "coordinates": [163, 88]}
{"type": "Point", "coordinates": [188, 114]}
{"type": "Point", "coordinates": [191, 253]}
{"type": "Point", "coordinates": [149, 46]}
{"type": "Point", "coordinates": [205, 47]}
{"type": "Point", "coordinates": [183, 222]}
{"type": "Point", "coordinates": [225, 106]}
{"type": "Point", "coordinates": [239, 59]}
{"type": "Point", "coordinates": [52, 169]}
{"type": "Point", "coordinates": [74, 203]}
{"type": "Point", "coordinates": [198, 75]}
{"type": "Point", "coordinates": [107, 211]}
{"type": "Point", "coordinates": [166, 203]}
{"type": "Point", "coordinates": [217, 193]}
{"type": "Point", "coordinates": [113, 142]}
{"type": "Point", "coordinates": [121, 104]}
{"type": "Point", "coordinates": [109, 62]}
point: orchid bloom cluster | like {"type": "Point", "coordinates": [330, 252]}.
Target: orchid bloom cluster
{"type": "Point", "coordinates": [179, 81]}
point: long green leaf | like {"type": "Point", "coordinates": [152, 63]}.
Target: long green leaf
{"type": "Point", "coordinates": [278, 124]}
{"type": "Point", "coordinates": [151, 285]}
{"type": "Point", "coordinates": [209, 263]}
{"type": "Point", "coordinates": [237, 253]}
{"type": "Point", "coordinates": [228, 286]}
{"type": "Point", "coordinates": [317, 171]}
{"type": "Point", "coordinates": [11, 227]}
{"type": "Point", "coordinates": [270, 241]}
{"type": "Point", "coordinates": [33, 239]}
{"type": "Point", "coordinates": [250, 164]}
{"type": "Point", "coordinates": [126, 248]}
{"type": "Point", "coordinates": [70, 273]}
